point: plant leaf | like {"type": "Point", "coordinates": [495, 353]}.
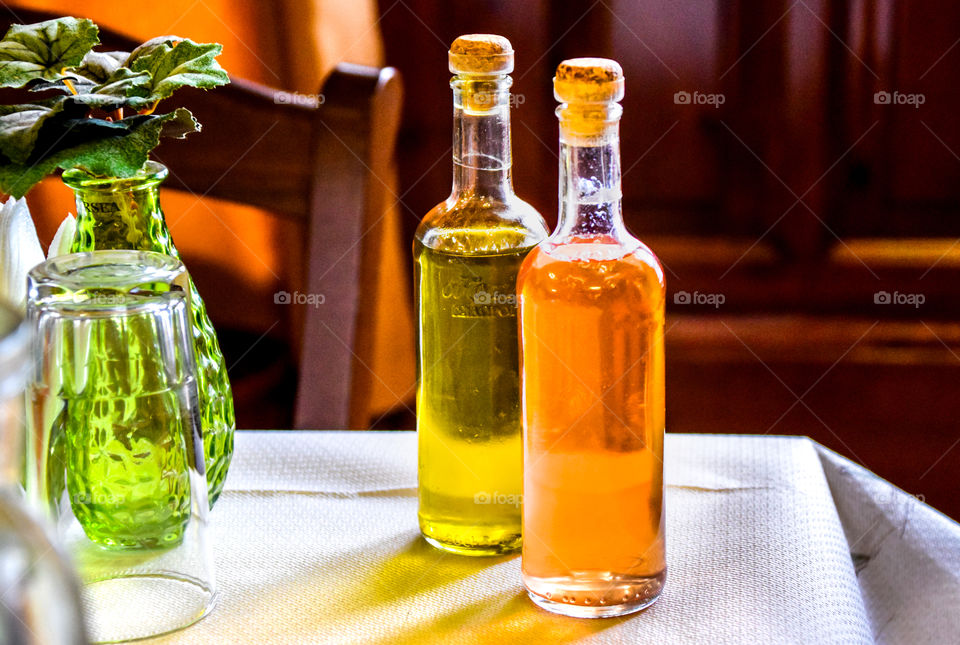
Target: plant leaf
{"type": "Point", "coordinates": [81, 84]}
{"type": "Point", "coordinates": [19, 130]}
{"type": "Point", "coordinates": [180, 124]}
{"type": "Point", "coordinates": [23, 126]}
{"type": "Point", "coordinates": [119, 155]}
{"type": "Point", "coordinates": [125, 82]}
{"type": "Point", "coordinates": [112, 94]}
{"type": "Point", "coordinates": [115, 92]}
{"type": "Point", "coordinates": [100, 101]}
{"type": "Point", "coordinates": [158, 43]}
{"type": "Point", "coordinates": [173, 64]}
{"type": "Point", "coordinates": [42, 50]}
{"type": "Point", "coordinates": [96, 69]}
{"type": "Point", "coordinates": [71, 130]}
{"type": "Point", "coordinates": [100, 66]}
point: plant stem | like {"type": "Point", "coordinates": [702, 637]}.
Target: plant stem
{"type": "Point", "coordinates": [70, 86]}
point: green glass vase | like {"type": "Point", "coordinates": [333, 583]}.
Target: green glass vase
{"type": "Point", "coordinates": [114, 213]}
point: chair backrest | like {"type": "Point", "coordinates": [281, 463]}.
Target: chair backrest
{"type": "Point", "coordinates": [323, 161]}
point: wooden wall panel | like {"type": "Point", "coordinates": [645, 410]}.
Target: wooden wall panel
{"type": "Point", "coordinates": [716, 192]}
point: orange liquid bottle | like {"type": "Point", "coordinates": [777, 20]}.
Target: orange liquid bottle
{"type": "Point", "coordinates": [591, 305]}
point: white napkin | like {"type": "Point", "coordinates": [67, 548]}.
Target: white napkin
{"type": "Point", "coordinates": [907, 556]}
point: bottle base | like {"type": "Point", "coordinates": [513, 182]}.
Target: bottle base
{"type": "Point", "coordinates": [598, 597]}
{"type": "Point", "coordinates": [476, 550]}
{"type": "Point", "coordinates": [475, 538]}
{"type": "Point", "coordinates": [580, 611]}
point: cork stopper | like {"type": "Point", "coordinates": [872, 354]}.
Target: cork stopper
{"type": "Point", "coordinates": [588, 80]}
{"type": "Point", "coordinates": [481, 54]}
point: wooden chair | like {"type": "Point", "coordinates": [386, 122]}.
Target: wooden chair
{"type": "Point", "coordinates": [323, 163]}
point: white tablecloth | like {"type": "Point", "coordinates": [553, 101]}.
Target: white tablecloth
{"type": "Point", "coordinates": [769, 540]}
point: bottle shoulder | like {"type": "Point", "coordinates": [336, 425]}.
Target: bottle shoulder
{"type": "Point", "coordinates": [594, 266]}
{"type": "Point", "coordinates": [599, 249]}
{"type": "Point", "coordinates": [483, 224]}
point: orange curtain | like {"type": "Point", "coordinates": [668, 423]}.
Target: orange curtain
{"type": "Point", "coordinates": [289, 44]}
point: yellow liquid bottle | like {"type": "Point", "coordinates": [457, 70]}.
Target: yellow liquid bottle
{"type": "Point", "coordinates": [467, 253]}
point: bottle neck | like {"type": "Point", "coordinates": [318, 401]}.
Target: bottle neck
{"type": "Point", "coordinates": [123, 216]}
{"type": "Point", "coordinates": [590, 194]}
{"type": "Point", "coordinates": [482, 157]}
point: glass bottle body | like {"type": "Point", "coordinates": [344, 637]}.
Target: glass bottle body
{"type": "Point", "coordinates": [592, 316]}
{"type": "Point", "coordinates": [116, 214]}
{"type": "Point", "coordinates": [467, 253]}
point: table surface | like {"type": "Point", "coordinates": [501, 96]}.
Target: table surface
{"type": "Point", "coordinates": [769, 540]}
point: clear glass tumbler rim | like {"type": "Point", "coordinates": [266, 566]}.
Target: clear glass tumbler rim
{"type": "Point", "coordinates": [122, 271]}
{"type": "Point", "coordinates": [106, 283]}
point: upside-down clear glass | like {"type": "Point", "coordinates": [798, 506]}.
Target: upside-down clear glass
{"type": "Point", "coordinates": [115, 441]}
{"type": "Point", "coordinates": [39, 602]}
